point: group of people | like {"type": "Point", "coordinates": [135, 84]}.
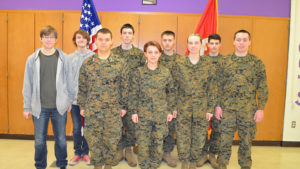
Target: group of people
{"type": "Point", "coordinates": [124, 94]}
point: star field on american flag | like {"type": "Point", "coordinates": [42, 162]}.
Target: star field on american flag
{"type": "Point", "coordinates": [89, 21]}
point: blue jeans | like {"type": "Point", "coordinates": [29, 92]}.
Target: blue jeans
{"type": "Point", "coordinates": [40, 132]}
{"type": "Point", "coordinates": [80, 145]}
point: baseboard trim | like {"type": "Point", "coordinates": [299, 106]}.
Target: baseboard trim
{"type": "Point", "coordinates": [261, 143]}
{"type": "Point", "coordinates": [290, 144]}
{"type": "Point", "coordinates": [235, 142]}
{"type": "Point", "coordinates": [26, 137]}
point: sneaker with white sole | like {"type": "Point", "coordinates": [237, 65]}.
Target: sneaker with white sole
{"type": "Point", "coordinates": [74, 160]}
{"type": "Point", "coordinates": [86, 159]}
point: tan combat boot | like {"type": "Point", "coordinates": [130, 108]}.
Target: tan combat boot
{"type": "Point", "coordinates": [192, 165]}
{"type": "Point", "coordinates": [118, 157]}
{"type": "Point", "coordinates": [222, 166]}
{"type": "Point", "coordinates": [97, 166]}
{"type": "Point", "coordinates": [172, 162]}
{"type": "Point", "coordinates": [129, 157]}
{"type": "Point", "coordinates": [136, 149]}
{"type": "Point", "coordinates": [107, 166]}
{"type": "Point", "coordinates": [185, 165]}
{"type": "Point", "coordinates": [213, 161]}
{"type": "Point", "coordinates": [202, 160]}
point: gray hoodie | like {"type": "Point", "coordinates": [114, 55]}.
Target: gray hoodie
{"type": "Point", "coordinates": [76, 59]}
{"type": "Point", "coordinates": [31, 84]}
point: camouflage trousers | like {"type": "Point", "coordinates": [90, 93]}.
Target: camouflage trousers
{"type": "Point", "coordinates": [169, 141]}
{"type": "Point", "coordinates": [128, 134]}
{"type": "Point", "coordinates": [242, 121]}
{"type": "Point", "coordinates": [103, 131]}
{"type": "Point", "coordinates": [190, 133]}
{"type": "Point", "coordinates": [212, 145]}
{"type": "Point", "coordinates": [150, 136]}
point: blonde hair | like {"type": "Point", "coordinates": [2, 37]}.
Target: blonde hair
{"type": "Point", "coordinates": [195, 34]}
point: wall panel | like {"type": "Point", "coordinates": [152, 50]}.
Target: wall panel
{"type": "Point", "coordinates": [3, 77]}
{"type": "Point", "coordinates": [70, 25]}
{"type": "Point", "coordinates": [20, 46]}
{"type": "Point", "coordinates": [151, 27]}
{"type": "Point", "coordinates": [114, 21]}
{"type": "Point", "coordinates": [270, 43]}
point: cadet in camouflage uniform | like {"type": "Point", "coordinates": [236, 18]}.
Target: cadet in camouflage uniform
{"type": "Point", "coordinates": [134, 58]}
{"type": "Point", "coordinates": [152, 99]}
{"type": "Point", "coordinates": [194, 75]}
{"type": "Point", "coordinates": [167, 59]}
{"type": "Point", "coordinates": [211, 145]}
{"type": "Point", "coordinates": [244, 80]}
{"type": "Point", "coordinates": [102, 97]}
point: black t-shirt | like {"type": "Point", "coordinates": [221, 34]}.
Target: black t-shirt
{"type": "Point", "coordinates": [48, 69]}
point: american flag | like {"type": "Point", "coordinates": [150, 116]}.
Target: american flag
{"type": "Point", "coordinates": [90, 22]}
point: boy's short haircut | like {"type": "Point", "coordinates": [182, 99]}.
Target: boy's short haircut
{"type": "Point", "coordinates": [242, 31]}
{"type": "Point", "coordinates": [47, 30]}
{"type": "Point", "coordinates": [127, 26]}
{"type": "Point", "coordinates": [168, 32]}
{"type": "Point", "coordinates": [104, 31]}
{"type": "Point", "coordinates": [215, 37]}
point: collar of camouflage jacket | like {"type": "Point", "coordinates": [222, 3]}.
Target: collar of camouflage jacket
{"type": "Point", "coordinates": [109, 58]}
{"type": "Point", "coordinates": [246, 58]}
{"type": "Point", "coordinates": [157, 70]}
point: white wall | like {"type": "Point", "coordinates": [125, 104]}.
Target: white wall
{"type": "Point", "coordinates": [292, 109]}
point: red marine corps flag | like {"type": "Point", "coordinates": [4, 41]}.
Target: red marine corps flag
{"type": "Point", "coordinates": [208, 24]}
{"type": "Point", "coordinates": [89, 22]}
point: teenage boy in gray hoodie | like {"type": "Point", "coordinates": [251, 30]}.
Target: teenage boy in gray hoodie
{"type": "Point", "coordinates": [48, 93]}
{"type": "Point", "coordinates": [81, 40]}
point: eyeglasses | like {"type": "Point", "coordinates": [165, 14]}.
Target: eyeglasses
{"type": "Point", "coordinates": [49, 37]}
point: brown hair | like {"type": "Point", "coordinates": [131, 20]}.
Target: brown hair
{"type": "Point", "coordinates": [214, 37]}
{"type": "Point", "coordinates": [242, 31]}
{"type": "Point", "coordinates": [47, 30]}
{"type": "Point", "coordinates": [104, 31]}
{"type": "Point", "coordinates": [82, 33]}
{"type": "Point", "coordinates": [170, 33]}
{"type": "Point", "coordinates": [127, 26]}
{"type": "Point", "coordinates": [152, 43]}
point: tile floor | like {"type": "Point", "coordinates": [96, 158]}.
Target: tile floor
{"type": "Point", "coordinates": [18, 154]}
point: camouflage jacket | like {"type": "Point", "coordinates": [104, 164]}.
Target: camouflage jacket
{"type": "Point", "coordinates": [103, 83]}
{"type": "Point", "coordinates": [168, 61]}
{"type": "Point", "coordinates": [152, 94]}
{"type": "Point", "coordinates": [134, 56]}
{"type": "Point", "coordinates": [243, 80]}
{"type": "Point", "coordinates": [196, 93]}
{"type": "Point", "coordinates": [215, 62]}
